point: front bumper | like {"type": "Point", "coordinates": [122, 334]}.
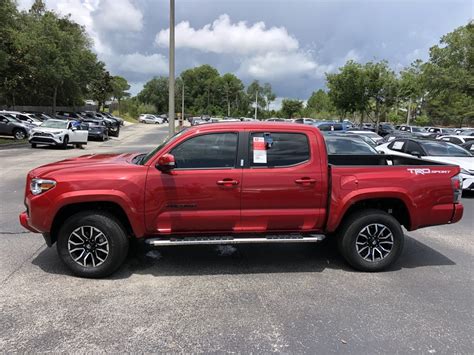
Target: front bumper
{"type": "Point", "coordinates": [46, 140]}
{"type": "Point", "coordinates": [25, 222]}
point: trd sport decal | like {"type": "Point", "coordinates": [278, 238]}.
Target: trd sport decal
{"type": "Point", "coordinates": [427, 171]}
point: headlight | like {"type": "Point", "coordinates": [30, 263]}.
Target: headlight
{"type": "Point", "coordinates": [38, 186]}
{"type": "Point", "coordinates": [56, 132]}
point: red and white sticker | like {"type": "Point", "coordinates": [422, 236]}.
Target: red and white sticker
{"type": "Point", "coordinates": [259, 151]}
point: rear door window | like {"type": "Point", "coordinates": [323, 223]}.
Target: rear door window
{"type": "Point", "coordinates": [278, 149]}
{"type": "Point", "coordinates": [397, 145]}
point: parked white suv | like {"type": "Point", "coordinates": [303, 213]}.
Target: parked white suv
{"type": "Point", "coordinates": [59, 133]}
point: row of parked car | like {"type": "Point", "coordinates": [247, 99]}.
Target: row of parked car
{"type": "Point", "coordinates": [61, 129]}
{"type": "Point", "coordinates": [446, 145]}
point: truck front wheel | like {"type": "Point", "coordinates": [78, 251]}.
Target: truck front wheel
{"type": "Point", "coordinates": [92, 244]}
{"type": "Point", "coordinates": [371, 240]}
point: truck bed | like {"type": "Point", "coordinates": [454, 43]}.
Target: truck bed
{"type": "Point", "coordinates": [381, 159]}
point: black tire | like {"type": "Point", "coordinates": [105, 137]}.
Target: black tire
{"type": "Point", "coordinates": [19, 134]}
{"type": "Point", "coordinates": [65, 142]}
{"type": "Point", "coordinates": [112, 230]}
{"type": "Point", "coordinates": [33, 145]}
{"type": "Point", "coordinates": [353, 230]}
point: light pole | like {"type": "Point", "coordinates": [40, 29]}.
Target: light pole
{"type": "Point", "coordinates": [256, 103]}
{"type": "Point", "coordinates": [171, 78]}
{"type": "Point", "coordinates": [182, 103]}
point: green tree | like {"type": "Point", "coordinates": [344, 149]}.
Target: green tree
{"type": "Point", "coordinates": [449, 78]}
{"type": "Point", "coordinates": [381, 87]}
{"type": "Point", "coordinates": [412, 87]}
{"type": "Point", "coordinates": [232, 88]}
{"type": "Point", "coordinates": [255, 94]}
{"type": "Point", "coordinates": [291, 107]}
{"type": "Point", "coordinates": [269, 96]}
{"type": "Point", "coordinates": [101, 88]}
{"type": "Point", "coordinates": [119, 89]}
{"type": "Point", "coordinates": [348, 89]}
{"type": "Point", "coordinates": [319, 105]}
{"type": "Point", "coordinates": [155, 92]}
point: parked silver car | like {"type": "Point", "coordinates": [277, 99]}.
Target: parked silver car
{"type": "Point", "coordinates": [10, 126]}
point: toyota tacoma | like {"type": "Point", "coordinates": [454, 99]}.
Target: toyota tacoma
{"type": "Point", "coordinates": [230, 183]}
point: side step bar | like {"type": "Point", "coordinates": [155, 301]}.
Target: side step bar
{"type": "Point", "coordinates": [292, 238]}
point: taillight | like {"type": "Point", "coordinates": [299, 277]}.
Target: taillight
{"type": "Point", "coordinates": [456, 183]}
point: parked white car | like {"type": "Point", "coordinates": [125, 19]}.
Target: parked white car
{"type": "Point", "coordinates": [440, 151]}
{"type": "Point", "coordinates": [148, 118]}
{"type": "Point", "coordinates": [456, 139]}
{"type": "Point", "coordinates": [59, 133]}
{"type": "Point", "coordinates": [372, 135]}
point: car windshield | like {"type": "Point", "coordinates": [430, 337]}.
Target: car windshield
{"type": "Point", "coordinates": [55, 124]}
{"type": "Point", "coordinates": [444, 149]}
{"type": "Point", "coordinates": [343, 146]}
{"type": "Point", "coordinates": [416, 129]}
{"type": "Point", "coordinates": [166, 141]}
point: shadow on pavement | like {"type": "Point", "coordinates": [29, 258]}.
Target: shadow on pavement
{"type": "Point", "coordinates": [245, 259]}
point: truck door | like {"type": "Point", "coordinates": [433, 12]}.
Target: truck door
{"type": "Point", "coordinates": [282, 186]}
{"type": "Point", "coordinates": [202, 193]}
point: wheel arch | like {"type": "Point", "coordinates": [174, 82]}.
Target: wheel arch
{"type": "Point", "coordinates": [394, 206]}
{"type": "Point", "coordinates": [70, 209]}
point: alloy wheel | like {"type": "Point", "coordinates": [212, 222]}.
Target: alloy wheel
{"type": "Point", "coordinates": [374, 242]}
{"type": "Point", "coordinates": [88, 246]}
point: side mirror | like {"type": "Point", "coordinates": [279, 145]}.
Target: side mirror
{"type": "Point", "coordinates": [166, 162]}
{"type": "Point", "coordinates": [416, 154]}
{"type": "Point", "coordinates": [381, 152]}
{"type": "Point", "coordinates": [73, 128]}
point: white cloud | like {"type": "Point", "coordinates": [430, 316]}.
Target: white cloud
{"type": "Point", "coordinates": [153, 64]}
{"type": "Point", "coordinates": [223, 36]}
{"type": "Point", "coordinates": [277, 65]}
{"type": "Point", "coordinates": [118, 15]}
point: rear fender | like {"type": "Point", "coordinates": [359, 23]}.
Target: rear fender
{"type": "Point", "coordinates": [339, 208]}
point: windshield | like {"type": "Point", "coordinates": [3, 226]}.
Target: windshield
{"type": "Point", "coordinates": [54, 124]}
{"type": "Point", "coordinates": [166, 141]}
{"type": "Point", "coordinates": [344, 146]}
{"type": "Point", "coordinates": [444, 149]}
{"type": "Point", "coordinates": [416, 129]}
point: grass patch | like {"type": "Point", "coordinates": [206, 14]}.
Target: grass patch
{"type": "Point", "coordinates": [12, 141]}
{"type": "Point", "coordinates": [125, 116]}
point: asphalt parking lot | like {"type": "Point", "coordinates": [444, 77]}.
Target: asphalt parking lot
{"type": "Point", "coordinates": [249, 298]}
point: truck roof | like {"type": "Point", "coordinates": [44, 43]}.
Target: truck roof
{"type": "Point", "coordinates": [252, 125]}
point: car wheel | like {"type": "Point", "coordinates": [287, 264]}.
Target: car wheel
{"type": "Point", "coordinates": [371, 240]}
{"type": "Point", "coordinates": [19, 134]}
{"type": "Point", "coordinates": [92, 244]}
{"type": "Point", "coordinates": [65, 142]}
{"type": "Point", "coordinates": [33, 145]}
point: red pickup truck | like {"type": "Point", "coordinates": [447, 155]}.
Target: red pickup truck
{"type": "Point", "coordinates": [237, 183]}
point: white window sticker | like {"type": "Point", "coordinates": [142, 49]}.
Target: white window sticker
{"type": "Point", "coordinates": [398, 145]}
{"type": "Point", "coordinates": [259, 151]}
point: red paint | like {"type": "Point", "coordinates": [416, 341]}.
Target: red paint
{"type": "Point", "coordinates": [237, 200]}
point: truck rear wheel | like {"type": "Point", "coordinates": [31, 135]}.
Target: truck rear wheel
{"type": "Point", "coordinates": [371, 240]}
{"type": "Point", "coordinates": [92, 244]}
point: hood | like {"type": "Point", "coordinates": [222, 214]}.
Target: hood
{"type": "Point", "coordinates": [47, 129]}
{"type": "Point", "coordinates": [466, 163]}
{"type": "Point", "coordinates": [94, 161]}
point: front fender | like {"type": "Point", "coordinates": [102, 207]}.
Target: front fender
{"type": "Point", "coordinates": [43, 221]}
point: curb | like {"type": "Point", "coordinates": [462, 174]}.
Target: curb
{"type": "Point", "coordinates": [13, 145]}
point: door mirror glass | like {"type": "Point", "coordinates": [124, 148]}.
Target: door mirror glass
{"type": "Point", "coordinates": [416, 153]}
{"type": "Point", "coordinates": [166, 162]}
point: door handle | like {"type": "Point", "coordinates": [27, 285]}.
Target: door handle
{"type": "Point", "coordinates": [304, 181]}
{"type": "Point", "coordinates": [227, 182]}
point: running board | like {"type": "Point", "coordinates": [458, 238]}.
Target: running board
{"type": "Point", "coordinates": [292, 238]}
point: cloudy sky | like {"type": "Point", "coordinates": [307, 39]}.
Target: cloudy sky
{"type": "Point", "coordinates": [288, 43]}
